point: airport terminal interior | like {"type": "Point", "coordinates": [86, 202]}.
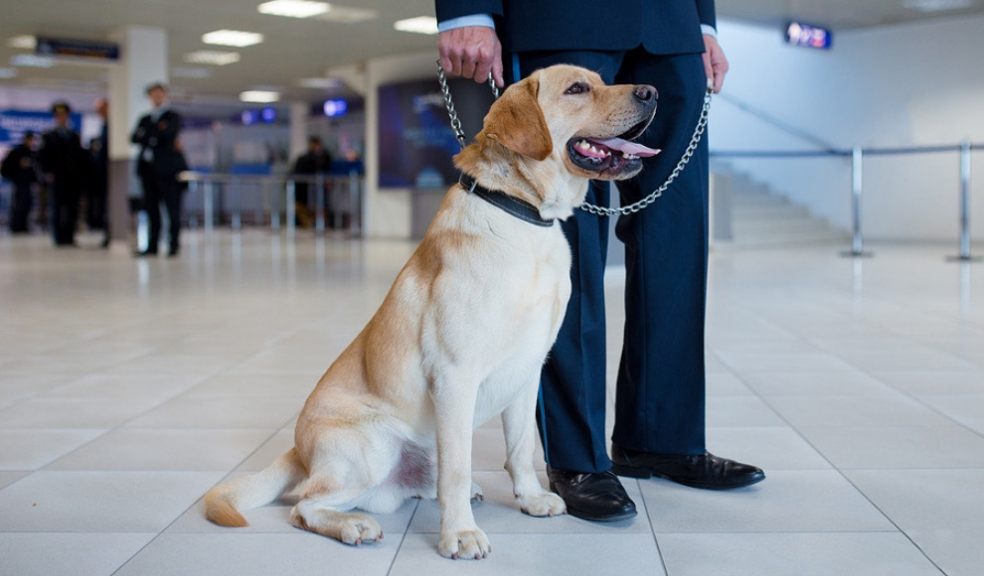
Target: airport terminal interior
{"type": "Point", "coordinates": [845, 304]}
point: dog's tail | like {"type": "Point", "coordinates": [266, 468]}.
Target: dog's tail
{"type": "Point", "coordinates": [224, 502]}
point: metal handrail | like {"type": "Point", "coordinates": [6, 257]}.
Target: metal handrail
{"type": "Point", "coordinates": [857, 155]}
{"type": "Point", "coordinates": [212, 183]}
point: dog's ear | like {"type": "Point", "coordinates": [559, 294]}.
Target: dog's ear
{"type": "Point", "coordinates": [516, 121]}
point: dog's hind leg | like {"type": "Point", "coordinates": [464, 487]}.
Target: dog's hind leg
{"type": "Point", "coordinates": [324, 515]}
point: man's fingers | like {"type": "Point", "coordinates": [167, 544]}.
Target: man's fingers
{"type": "Point", "coordinates": [708, 70]}
{"type": "Point", "coordinates": [497, 71]}
{"type": "Point", "coordinates": [468, 67]}
{"type": "Point", "coordinates": [482, 71]}
{"type": "Point", "coordinates": [446, 63]}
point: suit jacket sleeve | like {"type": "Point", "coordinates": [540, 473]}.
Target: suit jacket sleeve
{"type": "Point", "coordinates": [448, 9]}
{"type": "Point", "coordinates": [705, 9]}
{"type": "Point", "coordinates": [140, 135]}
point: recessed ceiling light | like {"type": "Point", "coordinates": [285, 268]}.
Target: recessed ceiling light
{"type": "Point", "coordinates": [237, 38]}
{"type": "Point", "coordinates": [32, 60]}
{"type": "Point", "coordinates": [319, 83]}
{"type": "Point", "coordinates": [7, 73]}
{"type": "Point", "coordinates": [419, 25]}
{"type": "Point", "coordinates": [293, 8]}
{"type": "Point", "coordinates": [190, 72]}
{"type": "Point", "coordinates": [938, 5]}
{"type": "Point", "coordinates": [212, 57]}
{"type": "Point", "coordinates": [25, 42]}
{"type": "Point", "coordinates": [259, 96]}
{"type": "Point", "coordinates": [347, 15]}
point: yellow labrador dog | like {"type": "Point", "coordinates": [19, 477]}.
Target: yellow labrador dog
{"type": "Point", "coordinates": [463, 332]}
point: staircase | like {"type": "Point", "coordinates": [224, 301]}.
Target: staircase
{"type": "Point", "coordinates": [748, 214]}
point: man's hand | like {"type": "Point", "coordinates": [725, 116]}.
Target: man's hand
{"type": "Point", "coordinates": [471, 52]}
{"type": "Point", "coordinates": [715, 62]}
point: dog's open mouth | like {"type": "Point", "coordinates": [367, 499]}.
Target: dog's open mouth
{"type": "Point", "coordinates": [610, 154]}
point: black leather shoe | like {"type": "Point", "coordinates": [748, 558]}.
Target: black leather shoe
{"type": "Point", "coordinates": [698, 471]}
{"type": "Point", "coordinates": [172, 252]}
{"type": "Point", "coordinates": [595, 496]}
{"type": "Point", "coordinates": [145, 253]}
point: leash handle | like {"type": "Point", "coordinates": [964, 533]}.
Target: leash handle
{"type": "Point", "coordinates": [442, 78]}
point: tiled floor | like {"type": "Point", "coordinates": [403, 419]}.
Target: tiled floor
{"type": "Point", "coordinates": [128, 388]}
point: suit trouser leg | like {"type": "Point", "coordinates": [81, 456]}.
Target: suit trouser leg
{"type": "Point", "coordinates": [660, 394]}
{"type": "Point", "coordinates": [20, 209]}
{"type": "Point", "coordinates": [172, 201]}
{"type": "Point", "coordinates": [571, 410]}
{"type": "Point", "coordinates": [152, 204]}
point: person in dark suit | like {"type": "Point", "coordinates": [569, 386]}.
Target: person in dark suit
{"type": "Point", "coordinates": [659, 413]}
{"type": "Point", "coordinates": [64, 163]}
{"type": "Point", "coordinates": [20, 166]}
{"type": "Point", "coordinates": [158, 166]}
{"type": "Point", "coordinates": [315, 161]}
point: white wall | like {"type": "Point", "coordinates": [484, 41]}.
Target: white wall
{"type": "Point", "coordinates": [388, 212]}
{"type": "Point", "coordinates": [913, 84]}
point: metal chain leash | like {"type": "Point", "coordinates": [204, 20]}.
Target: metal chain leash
{"type": "Point", "coordinates": [699, 130]}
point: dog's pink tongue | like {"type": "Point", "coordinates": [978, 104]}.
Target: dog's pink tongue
{"type": "Point", "coordinates": [627, 147]}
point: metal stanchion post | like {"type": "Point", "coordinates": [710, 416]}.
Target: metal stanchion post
{"type": "Point", "coordinates": [274, 206]}
{"type": "Point", "coordinates": [965, 161]}
{"type": "Point", "coordinates": [319, 204]}
{"type": "Point", "coordinates": [209, 208]}
{"type": "Point", "coordinates": [237, 202]}
{"type": "Point", "coordinates": [290, 209]}
{"type": "Point", "coordinates": [354, 204]}
{"type": "Point", "coordinates": [857, 191]}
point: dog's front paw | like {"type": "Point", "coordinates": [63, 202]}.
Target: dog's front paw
{"type": "Point", "coordinates": [464, 544]}
{"type": "Point", "coordinates": [543, 504]}
{"type": "Point", "coordinates": [477, 495]}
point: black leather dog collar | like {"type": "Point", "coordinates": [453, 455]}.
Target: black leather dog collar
{"type": "Point", "coordinates": [514, 206]}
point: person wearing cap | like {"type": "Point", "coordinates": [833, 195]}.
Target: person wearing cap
{"type": "Point", "coordinates": [64, 163]}
{"type": "Point", "coordinates": [660, 391]}
{"type": "Point", "coordinates": [20, 166]}
{"type": "Point", "coordinates": [158, 166]}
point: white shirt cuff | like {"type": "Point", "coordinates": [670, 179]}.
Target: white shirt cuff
{"type": "Point", "coordinates": [708, 30]}
{"type": "Point", "coordinates": [472, 20]}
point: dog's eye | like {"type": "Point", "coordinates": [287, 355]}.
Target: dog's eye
{"type": "Point", "coordinates": [577, 88]}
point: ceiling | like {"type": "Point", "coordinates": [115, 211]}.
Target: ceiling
{"type": "Point", "coordinates": [296, 48]}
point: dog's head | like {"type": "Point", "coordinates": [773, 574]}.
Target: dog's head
{"type": "Point", "coordinates": [551, 132]}
{"type": "Point", "coordinates": [567, 113]}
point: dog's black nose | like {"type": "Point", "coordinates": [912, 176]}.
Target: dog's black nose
{"type": "Point", "coordinates": [645, 93]}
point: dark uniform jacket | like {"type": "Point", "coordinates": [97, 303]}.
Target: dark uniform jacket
{"type": "Point", "coordinates": [659, 26]}
{"type": "Point", "coordinates": [62, 155]}
{"type": "Point", "coordinates": [159, 155]}
{"type": "Point", "coordinates": [20, 166]}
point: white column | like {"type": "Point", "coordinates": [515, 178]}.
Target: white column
{"type": "Point", "coordinates": [298, 129]}
{"type": "Point", "coordinates": [143, 61]}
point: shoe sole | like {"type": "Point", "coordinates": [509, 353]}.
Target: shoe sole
{"type": "Point", "coordinates": [644, 473]}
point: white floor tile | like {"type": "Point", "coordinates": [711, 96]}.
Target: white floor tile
{"type": "Point", "coordinates": [259, 555]}
{"type": "Point", "coordinates": [804, 554]}
{"type": "Point", "coordinates": [898, 447]}
{"type": "Point", "coordinates": [100, 501]}
{"type": "Point", "coordinates": [857, 411]}
{"type": "Point", "coordinates": [61, 554]}
{"type": "Point", "coordinates": [536, 555]}
{"type": "Point", "coordinates": [786, 501]}
{"type": "Point", "coordinates": [956, 552]}
{"type": "Point", "coordinates": [32, 449]}
{"type": "Point", "coordinates": [925, 499]}
{"type": "Point", "coordinates": [73, 412]}
{"type": "Point", "coordinates": [220, 412]}
{"type": "Point", "coordinates": [154, 449]}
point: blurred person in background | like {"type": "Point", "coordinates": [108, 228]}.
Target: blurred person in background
{"type": "Point", "coordinates": [65, 164]}
{"type": "Point", "coordinates": [98, 188]}
{"type": "Point", "coordinates": [158, 166]}
{"type": "Point", "coordinates": [21, 167]}
{"type": "Point", "coordinates": [315, 161]}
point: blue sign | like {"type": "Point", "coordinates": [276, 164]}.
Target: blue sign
{"type": "Point", "coordinates": [809, 36]}
{"type": "Point", "coordinates": [13, 124]}
{"type": "Point", "coordinates": [335, 107]}
{"type": "Point", "coordinates": [94, 49]}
